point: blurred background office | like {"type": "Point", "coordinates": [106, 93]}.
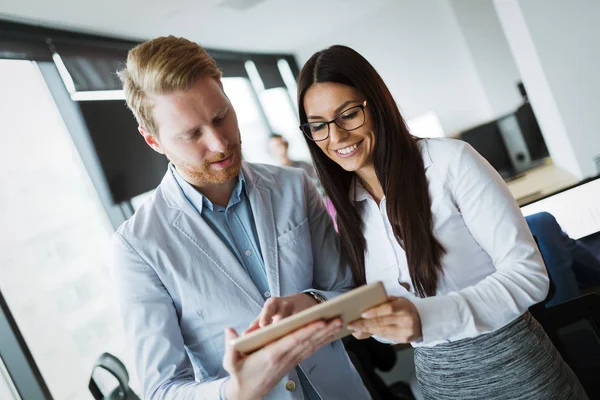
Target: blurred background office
{"type": "Point", "coordinates": [518, 79]}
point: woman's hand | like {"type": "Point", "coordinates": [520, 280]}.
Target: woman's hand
{"type": "Point", "coordinates": [397, 320]}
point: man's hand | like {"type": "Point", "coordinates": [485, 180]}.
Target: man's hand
{"type": "Point", "coordinates": [253, 376]}
{"type": "Point", "coordinates": [396, 320]}
{"type": "Point", "coordinates": [277, 308]}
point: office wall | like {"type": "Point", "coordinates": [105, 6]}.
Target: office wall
{"type": "Point", "coordinates": [490, 52]}
{"type": "Point", "coordinates": [567, 39]}
{"type": "Point", "coordinates": [555, 44]}
{"type": "Point", "coordinates": [419, 50]}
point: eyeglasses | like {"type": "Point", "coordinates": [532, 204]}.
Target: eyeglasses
{"type": "Point", "coordinates": [348, 120]}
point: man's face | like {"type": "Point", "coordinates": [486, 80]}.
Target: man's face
{"type": "Point", "coordinates": [198, 132]}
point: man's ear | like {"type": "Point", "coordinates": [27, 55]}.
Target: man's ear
{"type": "Point", "coordinates": [151, 140]}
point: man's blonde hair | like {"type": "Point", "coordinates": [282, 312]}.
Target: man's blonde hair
{"type": "Point", "coordinates": [159, 66]}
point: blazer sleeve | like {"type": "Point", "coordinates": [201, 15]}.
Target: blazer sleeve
{"type": "Point", "coordinates": [331, 276]}
{"type": "Point", "coordinates": [495, 221]}
{"type": "Point", "coordinates": [152, 328]}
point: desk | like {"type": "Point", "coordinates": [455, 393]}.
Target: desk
{"type": "Point", "coordinates": [539, 182]}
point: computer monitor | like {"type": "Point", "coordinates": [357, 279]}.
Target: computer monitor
{"type": "Point", "coordinates": [576, 209]}
{"type": "Point", "coordinates": [487, 140]}
{"type": "Point", "coordinates": [130, 166]}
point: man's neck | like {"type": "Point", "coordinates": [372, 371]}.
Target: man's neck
{"type": "Point", "coordinates": [218, 193]}
{"type": "Point", "coordinates": [285, 161]}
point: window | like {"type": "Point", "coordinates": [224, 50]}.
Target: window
{"type": "Point", "coordinates": [279, 107]}
{"type": "Point", "coordinates": [7, 388]}
{"type": "Point", "coordinates": [254, 130]}
{"type": "Point", "coordinates": [282, 117]}
{"type": "Point", "coordinates": [55, 239]}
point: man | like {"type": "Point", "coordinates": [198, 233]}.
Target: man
{"type": "Point", "coordinates": [278, 147]}
{"type": "Point", "coordinates": [217, 239]}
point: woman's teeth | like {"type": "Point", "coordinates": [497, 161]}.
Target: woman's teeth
{"type": "Point", "coordinates": [347, 150]}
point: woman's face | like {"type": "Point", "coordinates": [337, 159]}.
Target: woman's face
{"type": "Point", "coordinates": [351, 149]}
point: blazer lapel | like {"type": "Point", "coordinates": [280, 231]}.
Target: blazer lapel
{"type": "Point", "coordinates": [203, 238]}
{"type": "Point", "coordinates": [263, 213]}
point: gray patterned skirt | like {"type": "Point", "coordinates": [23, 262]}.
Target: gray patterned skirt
{"type": "Point", "coordinates": [517, 361]}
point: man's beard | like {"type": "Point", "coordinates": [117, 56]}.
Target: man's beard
{"type": "Point", "coordinates": [207, 174]}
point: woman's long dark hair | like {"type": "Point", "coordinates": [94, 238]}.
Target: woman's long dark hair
{"type": "Point", "coordinates": [398, 165]}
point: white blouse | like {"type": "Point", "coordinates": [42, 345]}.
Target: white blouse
{"type": "Point", "coordinates": [492, 269]}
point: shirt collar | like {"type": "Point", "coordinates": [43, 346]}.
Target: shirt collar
{"type": "Point", "coordinates": [424, 148]}
{"type": "Point", "coordinates": [199, 201]}
{"type": "Point", "coordinates": [358, 191]}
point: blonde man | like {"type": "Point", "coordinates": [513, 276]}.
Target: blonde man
{"type": "Point", "coordinates": [220, 243]}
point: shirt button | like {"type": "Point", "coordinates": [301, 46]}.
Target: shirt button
{"type": "Point", "coordinates": [267, 294]}
{"type": "Point", "coordinates": [229, 212]}
{"type": "Point", "coordinates": [290, 386]}
{"type": "Point", "coordinates": [248, 253]}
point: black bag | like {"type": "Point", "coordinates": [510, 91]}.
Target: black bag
{"type": "Point", "coordinates": [114, 366]}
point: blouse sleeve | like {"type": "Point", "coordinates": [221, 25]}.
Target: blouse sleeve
{"type": "Point", "coordinates": [493, 218]}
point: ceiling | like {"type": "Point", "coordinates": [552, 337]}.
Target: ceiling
{"type": "Point", "coordinates": [266, 25]}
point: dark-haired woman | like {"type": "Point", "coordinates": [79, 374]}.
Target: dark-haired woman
{"type": "Point", "coordinates": [435, 223]}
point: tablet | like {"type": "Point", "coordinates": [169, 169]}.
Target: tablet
{"type": "Point", "coordinates": [349, 306]}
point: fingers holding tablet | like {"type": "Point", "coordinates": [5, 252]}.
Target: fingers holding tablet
{"type": "Point", "coordinates": [256, 373]}
{"type": "Point", "coordinates": [347, 307]}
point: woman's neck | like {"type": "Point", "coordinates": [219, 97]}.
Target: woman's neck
{"type": "Point", "coordinates": [370, 182]}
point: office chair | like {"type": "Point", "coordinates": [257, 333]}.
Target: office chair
{"type": "Point", "coordinates": [574, 329]}
{"type": "Point", "coordinates": [369, 354]}
{"type": "Point", "coordinates": [115, 367]}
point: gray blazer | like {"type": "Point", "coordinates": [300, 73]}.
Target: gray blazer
{"type": "Point", "coordinates": [179, 286]}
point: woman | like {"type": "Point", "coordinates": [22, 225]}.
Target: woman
{"type": "Point", "coordinates": [435, 223]}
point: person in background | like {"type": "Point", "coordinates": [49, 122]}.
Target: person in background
{"type": "Point", "coordinates": [571, 265]}
{"type": "Point", "coordinates": [438, 226]}
{"type": "Point", "coordinates": [279, 148]}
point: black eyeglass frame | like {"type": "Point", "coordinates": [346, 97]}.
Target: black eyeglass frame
{"type": "Point", "coordinates": [307, 124]}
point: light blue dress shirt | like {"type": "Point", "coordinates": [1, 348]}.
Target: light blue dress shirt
{"type": "Point", "coordinates": [235, 226]}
